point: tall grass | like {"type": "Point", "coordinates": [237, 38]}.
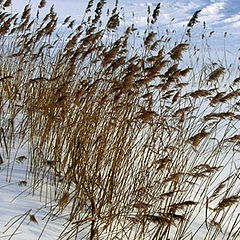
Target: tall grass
{"type": "Point", "coordinates": [142, 142]}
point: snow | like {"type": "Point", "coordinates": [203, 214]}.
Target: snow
{"type": "Point", "coordinates": [17, 202]}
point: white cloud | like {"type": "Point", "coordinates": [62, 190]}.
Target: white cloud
{"type": "Point", "coordinates": [213, 9]}
{"type": "Point", "coordinates": [212, 13]}
{"type": "Point", "coordinates": [232, 19]}
{"type": "Point", "coordinates": [235, 25]}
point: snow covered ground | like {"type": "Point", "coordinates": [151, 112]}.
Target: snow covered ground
{"type": "Point", "coordinates": [17, 205]}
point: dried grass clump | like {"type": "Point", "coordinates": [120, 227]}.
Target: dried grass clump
{"type": "Point", "coordinates": [33, 219]}
{"type": "Point", "coordinates": [130, 142]}
{"type": "Point", "coordinates": [196, 139]}
{"type": "Point", "coordinates": [194, 19]}
{"type": "Point", "coordinates": [213, 76]}
{"type": "Point", "coordinates": [176, 52]}
{"type": "Point", "coordinates": [227, 202]}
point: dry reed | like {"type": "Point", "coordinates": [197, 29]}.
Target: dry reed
{"type": "Point", "coordinates": [119, 131]}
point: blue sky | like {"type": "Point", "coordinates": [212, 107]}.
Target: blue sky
{"type": "Point", "coordinates": [223, 14]}
{"type": "Point", "coordinates": [219, 15]}
{"type": "Point", "coordinates": [214, 11]}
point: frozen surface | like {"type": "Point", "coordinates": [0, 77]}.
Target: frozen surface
{"type": "Point", "coordinates": [16, 202]}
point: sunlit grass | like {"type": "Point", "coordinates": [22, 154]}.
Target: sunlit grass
{"type": "Point", "coordinates": [139, 142]}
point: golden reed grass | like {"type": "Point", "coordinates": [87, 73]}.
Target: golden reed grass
{"type": "Point", "coordinates": [135, 141]}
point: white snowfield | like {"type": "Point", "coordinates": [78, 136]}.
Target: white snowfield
{"type": "Point", "coordinates": [17, 205]}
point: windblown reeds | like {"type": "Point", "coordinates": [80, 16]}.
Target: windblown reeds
{"type": "Point", "coordinates": [132, 148]}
